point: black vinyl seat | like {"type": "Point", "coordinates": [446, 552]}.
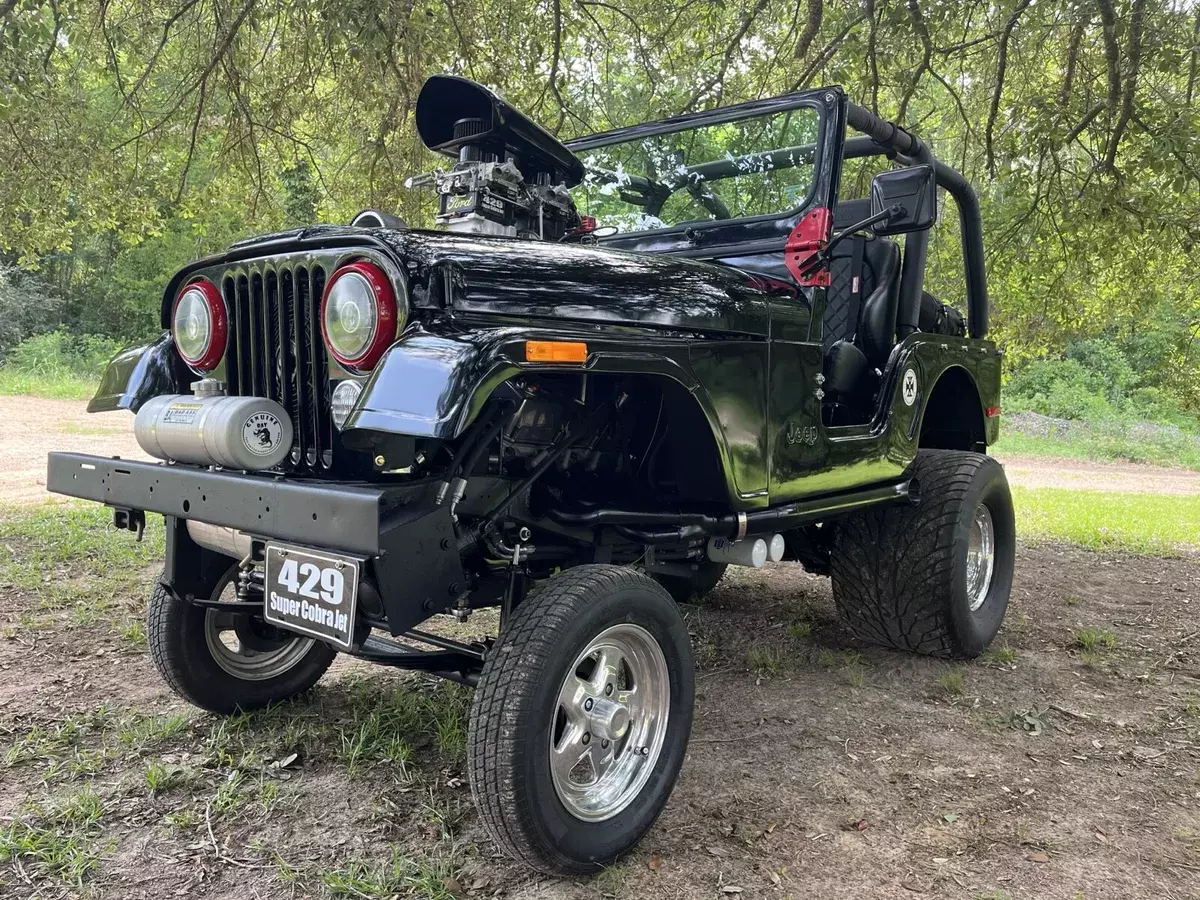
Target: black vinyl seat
{"type": "Point", "coordinates": [858, 328]}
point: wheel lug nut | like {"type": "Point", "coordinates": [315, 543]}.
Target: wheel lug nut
{"type": "Point", "coordinates": [587, 704]}
{"type": "Point", "coordinates": [587, 737]}
{"type": "Point", "coordinates": [604, 745]}
{"type": "Point", "coordinates": [608, 690]}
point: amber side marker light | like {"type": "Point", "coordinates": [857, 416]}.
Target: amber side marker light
{"type": "Point", "coordinates": [556, 351]}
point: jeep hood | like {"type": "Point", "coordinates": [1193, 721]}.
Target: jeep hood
{"type": "Point", "coordinates": [520, 281]}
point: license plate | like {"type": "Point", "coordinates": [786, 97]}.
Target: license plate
{"type": "Point", "coordinates": [312, 593]}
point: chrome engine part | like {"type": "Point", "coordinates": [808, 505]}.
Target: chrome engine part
{"type": "Point", "coordinates": [220, 539]}
{"type": "Point", "coordinates": [486, 194]}
{"type": "Point", "coordinates": [251, 433]}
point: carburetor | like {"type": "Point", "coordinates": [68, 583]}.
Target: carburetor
{"type": "Point", "coordinates": [485, 194]}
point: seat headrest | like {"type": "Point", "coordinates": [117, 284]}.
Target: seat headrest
{"type": "Point", "coordinates": [847, 212]}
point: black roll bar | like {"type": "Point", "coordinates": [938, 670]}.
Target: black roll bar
{"type": "Point", "coordinates": [895, 142]}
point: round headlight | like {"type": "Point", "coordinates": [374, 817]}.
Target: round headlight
{"type": "Point", "coordinates": [359, 315]}
{"type": "Point", "coordinates": [199, 325]}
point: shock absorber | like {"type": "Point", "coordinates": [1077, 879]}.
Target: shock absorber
{"type": "Point", "coordinates": [251, 582]}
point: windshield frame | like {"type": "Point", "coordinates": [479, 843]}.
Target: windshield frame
{"type": "Point", "coordinates": [820, 101]}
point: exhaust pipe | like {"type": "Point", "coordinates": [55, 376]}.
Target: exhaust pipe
{"type": "Point", "coordinates": [220, 539]}
{"type": "Point", "coordinates": [753, 552]}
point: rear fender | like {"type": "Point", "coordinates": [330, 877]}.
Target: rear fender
{"type": "Point", "coordinates": [929, 369]}
{"type": "Point", "coordinates": [137, 374]}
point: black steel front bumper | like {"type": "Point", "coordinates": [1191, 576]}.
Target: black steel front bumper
{"type": "Point", "coordinates": [321, 514]}
{"type": "Point", "coordinates": [408, 538]}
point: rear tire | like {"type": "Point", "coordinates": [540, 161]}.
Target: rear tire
{"type": "Point", "coordinates": [581, 719]}
{"type": "Point", "coordinates": [920, 578]}
{"type": "Point", "coordinates": [183, 636]}
{"type": "Point", "coordinates": [683, 588]}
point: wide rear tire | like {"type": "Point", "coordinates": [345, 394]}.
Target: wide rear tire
{"type": "Point", "coordinates": [933, 578]}
{"type": "Point", "coordinates": [581, 719]}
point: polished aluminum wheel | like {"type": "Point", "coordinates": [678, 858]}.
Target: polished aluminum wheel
{"type": "Point", "coordinates": [981, 556]}
{"type": "Point", "coordinates": [609, 722]}
{"type": "Point", "coordinates": [247, 647]}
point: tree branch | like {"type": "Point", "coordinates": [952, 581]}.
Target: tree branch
{"type": "Point", "coordinates": [816, 9]}
{"type": "Point", "coordinates": [922, 30]}
{"type": "Point", "coordinates": [1134, 56]}
{"type": "Point", "coordinates": [1073, 43]}
{"type": "Point", "coordinates": [730, 50]}
{"type": "Point", "coordinates": [167, 26]}
{"type": "Point", "coordinates": [1192, 61]}
{"type": "Point", "coordinates": [872, 50]}
{"type": "Point", "coordinates": [824, 56]}
{"type": "Point", "coordinates": [1112, 53]}
{"type": "Point", "coordinates": [1001, 68]}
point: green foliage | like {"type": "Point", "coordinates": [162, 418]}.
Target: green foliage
{"type": "Point", "coordinates": [26, 307]}
{"type": "Point", "coordinates": [139, 134]}
{"type": "Point", "coordinates": [55, 353]}
{"type": "Point", "coordinates": [57, 364]}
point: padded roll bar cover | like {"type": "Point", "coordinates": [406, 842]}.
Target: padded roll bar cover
{"type": "Point", "coordinates": [885, 134]}
{"type": "Point", "coordinates": [444, 99]}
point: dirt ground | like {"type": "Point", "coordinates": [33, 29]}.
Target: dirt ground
{"type": "Point", "coordinates": [30, 427]}
{"type": "Point", "coordinates": [1063, 764]}
{"type": "Point", "coordinates": [817, 767]}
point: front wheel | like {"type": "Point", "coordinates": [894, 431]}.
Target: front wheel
{"type": "Point", "coordinates": [224, 661]}
{"type": "Point", "coordinates": [581, 719]}
{"type": "Point", "coordinates": [933, 578]}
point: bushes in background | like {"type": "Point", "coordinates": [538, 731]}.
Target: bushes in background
{"type": "Point", "coordinates": [1100, 381]}
{"type": "Point", "coordinates": [57, 354]}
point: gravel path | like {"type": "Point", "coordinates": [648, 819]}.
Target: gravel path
{"type": "Point", "coordinates": [32, 427]}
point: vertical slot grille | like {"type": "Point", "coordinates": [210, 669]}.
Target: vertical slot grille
{"type": "Point", "coordinates": [277, 352]}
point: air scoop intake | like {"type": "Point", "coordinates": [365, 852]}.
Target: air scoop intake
{"type": "Point", "coordinates": [462, 119]}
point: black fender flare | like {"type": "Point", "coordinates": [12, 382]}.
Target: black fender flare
{"type": "Point", "coordinates": [936, 360]}
{"type": "Point", "coordinates": [434, 384]}
{"type": "Point", "coordinates": [137, 374]}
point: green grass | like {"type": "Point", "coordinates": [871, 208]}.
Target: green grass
{"type": "Point", "coordinates": [401, 875]}
{"type": "Point", "coordinates": [764, 660]}
{"type": "Point", "coordinates": [951, 683]}
{"type": "Point", "coordinates": [59, 386]}
{"type": "Point", "coordinates": [56, 839]}
{"type": "Point", "coordinates": [1115, 447]}
{"type": "Point", "coordinates": [1140, 523]}
{"type": "Point", "coordinates": [72, 568]}
{"type": "Point", "coordinates": [1095, 639]}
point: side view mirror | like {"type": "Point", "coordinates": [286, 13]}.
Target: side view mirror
{"type": "Point", "coordinates": [904, 199]}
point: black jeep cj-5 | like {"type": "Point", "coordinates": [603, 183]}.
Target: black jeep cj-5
{"type": "Point", "coordinates": [618, 366]}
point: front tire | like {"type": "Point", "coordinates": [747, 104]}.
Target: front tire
{"type": "Point", "coordinates": [581, 719]}
{"type": "Point", "coordinates": [933, 578]}
{"type": "Point", "coordinates": [228, 662]}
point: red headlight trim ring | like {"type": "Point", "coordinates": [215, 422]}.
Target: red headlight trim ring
{"type": "Point", "coordinates": [218, 317]}
{"type": "Point", "coordinates": [385, 311]}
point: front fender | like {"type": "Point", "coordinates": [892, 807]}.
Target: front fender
{"type": "Point", "coordinates": [137, 374]}
{"type": "Point", "coordinates": [433, 385]}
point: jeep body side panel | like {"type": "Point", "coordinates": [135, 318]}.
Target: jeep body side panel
{"type": "Point", "coordinates": [843, 458]}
